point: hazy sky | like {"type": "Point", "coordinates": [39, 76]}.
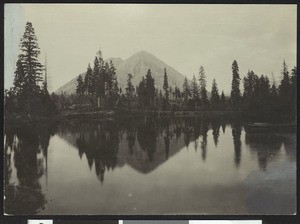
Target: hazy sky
{"type": "Point", "coordinates": [259, 37]}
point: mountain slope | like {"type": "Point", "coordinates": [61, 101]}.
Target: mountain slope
{"type": "Point", "coordinates": [137, 65]}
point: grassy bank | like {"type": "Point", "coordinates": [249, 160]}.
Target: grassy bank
{"type": "Point", "coordinates": [111, 114]}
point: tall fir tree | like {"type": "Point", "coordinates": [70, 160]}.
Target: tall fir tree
{"type": "Point", "coordinates": [150, 88]}
{"type": "Point", "coordinates": [250, 82]}
{"type": "Point", "coordinates": [141, 92]}
{"type": "Point", "coordinates": [223, 101]}
{"type": "Point", "coordinates": [203, 91]}
{"type": "Point", "coordinates": [96, 78]}
{"type": "Point", "coordinates": [261, 95]}
{"type": "Point", "coordinates": [195, 89]}
{"type": "Point", "coordinates": [102, 74]}
{"type": "Point", "coordinates": [130, 88]}
{"type": "Point", "coordinates": [186, 90]}
{"type": "Point", "coordinates": [293, 81]}
{"type": "Point", "coordinates": [166, 85]}
{"type": "Point", "coordinates": [284, 90]}
{"type": "Point", "coordinates": [107, 78]}
{"type": "Point", "coordinates": [29, 59]}
{"type": "Point", "coordinates": [45, 82]}
{"type": "Point", "coordinates": [273, 91]}
{"type": "Point", "coordinates": [88, 80]}
{"type": "Point", "coordinates": [114, 80]}
{"type": "Point", "coordinates": [166, 90]}
{"type": "Point", "coordinates": [235, 95]}
{"type": "Point", "coordinates": [177, 93]}
{"type": "Point", "coordinates": [215, 97]}
{"type": "Point", "coordinates": [29, 98]}
{"type": "Point", "coordinates": [170, 91]}
{"type": "Point", "coordinates": [20, 78]}
{"type": "Point", "coordinates": [80, 88]}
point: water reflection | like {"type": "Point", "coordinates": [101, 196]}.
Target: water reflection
{"type": "Point", "coordinates": [236, 135]}
{"type": "Point", "coordinates": [98, 141]}
{"type": "Point", "coordinates": [265, 145]}
{"type": "Point", "coordinates": [142, 143]}
{"type": "Point", "coordinates": [26, 150]}
{"type": "Point", "coordinates": [215, 125]}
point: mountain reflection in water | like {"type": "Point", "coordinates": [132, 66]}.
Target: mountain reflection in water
{"type": "Point", "coordinates": [142, 143]}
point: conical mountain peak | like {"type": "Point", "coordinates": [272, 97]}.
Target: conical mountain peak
{"type": "Point", "coordinates": [138, 65]}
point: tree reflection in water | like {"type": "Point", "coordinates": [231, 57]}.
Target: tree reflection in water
{"type": "Point", "coordinates": [143, 143]}
{"type": "Point", "coordinates": [215, 125]}
{"type": "Point", "coordinates": [266, 145]}
{"type": "Point", "coordinates": [98, 141]}
{"type": "Point", "coordinates": [236, 135]}
{"type": "Point", "coordinates": [26, 147]}
{"type": "Point", "coordinates": [147, 133]}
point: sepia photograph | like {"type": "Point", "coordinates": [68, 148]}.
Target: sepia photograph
{"type": "Point", "coordinates": [150, 109]}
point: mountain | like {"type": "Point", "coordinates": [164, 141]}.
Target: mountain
{"type": "Point", "coordinates": [137, 65]}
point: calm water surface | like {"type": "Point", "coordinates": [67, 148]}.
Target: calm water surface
{"type": "Point", "coordinates": [153, 166]}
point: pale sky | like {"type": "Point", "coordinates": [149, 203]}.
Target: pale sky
{"type": "Point", "coordinates": [259, 37]}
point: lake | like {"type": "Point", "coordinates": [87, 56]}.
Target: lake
{"type": "Point", "coordinates": [149, 165]}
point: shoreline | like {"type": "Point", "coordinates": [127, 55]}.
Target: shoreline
{"type": "Point", "coordinates": [111, 114]}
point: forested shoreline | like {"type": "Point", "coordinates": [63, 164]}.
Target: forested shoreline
{"type": "Point", "coordinates": [99, 90]}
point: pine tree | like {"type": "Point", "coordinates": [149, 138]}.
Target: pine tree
{"type": "Point", "coordinates": [186, 90]}
{"type": "Point", "coordinates": [45, 82]}
{"type": "Point", "coordinates": [273, 97]}
{"type": "Point", "coordinates": [166, 86]}
{"type": "Point", "coordinates": [115, 87]}
{"type": "Point", "coordinates": [170, 91]}
{"type": "Point", "coordinates": [150, 88]}
{"type": "Point", "coordinates": [215, 97]}
{"type": "Point", "coordinates": [95, 78]}
{"type": "Point", "coordinates": [29, 60]}
{"type": "Point", "coordinates": [284, 90]}
{"type": "Point", "coordinates": [103, 69]}
{"type": "Point", "coordinates": [223, 100]}
{"type": "Point", "coordinates": [107, 78]}
{"type": "Point", "coordinates": [203, 92]}
{"type": "Point", "coordinates": [114, 80]}
{"type": "Point", "coordinates": [284, 86]}
{"type": "Point", "coordinates": [293, 81]}
{"type": "Point", "coordinates": [160, 95]}
{"type": "Point", "coordinates": [273, 91]}
{"type": "Point", "coordinates": [177, 93]}
{"type": "Point", "coordinates": [261, 95]}
{"type": "Point", "coordinates": [20, 77]}
{"type": "Point", "coordinates": [130, 88]}
{"type": "Point", "coordinates": [166, 90]}
{"type": "Point", "coordinates": [235, 95]}
{"type": "Point", "coordinates": [250, 82]}
{"type": "Point", "coordinates": [194, 89]}
{"type": "Point", "coordinates": [202, 78]}
{"type": "Point", "coordinates": [141, 92]}
{"type": "Point", "coordinates": [293, 78]}
{"type": "Point", "coordinates": [29, 98]}
{"type": "Point", "coordinates": [45, 88]}
{"type": "Point", "coordinates": [80, 86]}
{"type": "Point", "coordinates": [88, 80]}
